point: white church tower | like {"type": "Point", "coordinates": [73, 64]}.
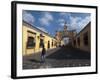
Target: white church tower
{"type": "Point", "coordinates": [65, 35]}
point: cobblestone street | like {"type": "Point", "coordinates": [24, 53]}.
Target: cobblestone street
{"type": "Point", "coordinates": [59, 57]}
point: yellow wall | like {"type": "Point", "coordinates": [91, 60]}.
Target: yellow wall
{"type": "Point", "coordinates": [36, 49]}
{"type": "Point", "coordinates": [82, 46]}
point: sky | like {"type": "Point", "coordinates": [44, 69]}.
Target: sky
{"type": "Point", "coordinates": [51, 22]}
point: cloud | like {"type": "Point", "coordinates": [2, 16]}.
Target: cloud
{"type": "Point", "coordinates": [79, 23]}
{"type": "Point", "coordinates": [84, 22]}
{"type": "Point", "coordinates": [64, 18]}
{"type": "Point", "coordinates": [74, 22]}
{"type": "Point", "coordinates": [65, 14]}
{"type": "Point", "coordinates": [61, 22]}
{"type": "Point", "coordinates": [46, 18]}
{"type": "Point", "coordinates": [26, 16]}
{"type": "Point", "coordinates": [62, 13]}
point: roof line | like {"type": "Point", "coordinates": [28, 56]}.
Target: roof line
{"type": "Point", "coordinates": [83, 28]}
{"type": "Point", "coordinates": [37, 28]}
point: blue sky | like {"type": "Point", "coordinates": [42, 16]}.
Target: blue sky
{"type": "Point", "coordinates": [51, 22]}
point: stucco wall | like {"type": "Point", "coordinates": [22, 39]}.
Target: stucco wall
{"type": "Point", "coordinates": [37, 48]}
{"type": "Point", "coordinates": [81, 35]}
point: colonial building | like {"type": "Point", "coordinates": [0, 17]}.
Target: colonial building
{"type": "Point", "coordinates": [65, 36]}
{"type": "Point", "coordinates": [58, 37]}
{"type": "Point", "coordinates": [34, 39]}
{"type": "Point", "coordinates": [83, 39]}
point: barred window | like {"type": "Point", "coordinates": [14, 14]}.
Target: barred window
{"type": "Point", "coordinates": [31, 42]}
{"type": "Point", "coordinates": [52, 43]}
{"type": "Point", "coordinates": [85, 38]}
{"type": "Point", "coordinates": [74, 42]}
{"type": "Point", "coordinates": [78, 41]}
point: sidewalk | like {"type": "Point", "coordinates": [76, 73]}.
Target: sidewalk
{"type": "Point", "coordinates": [37, 55]}
{"type": "Point", "coordinates": [35, 59]}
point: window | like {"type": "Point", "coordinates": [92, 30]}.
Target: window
{"type": "Point", "coordinates": [85, 38]}
{"type": "Point", "coordinates": [48, 44]}
{"type": "Point", "coordinates": [74, 42]}
{"type": "Point", "coordinates": [31, 42]}
{"type": "Point", "coordinates": [41, 43]}
{"type": "Point", "coordinates": [78, 41]}
{"type": "Point", "coordinates": [52, 43]}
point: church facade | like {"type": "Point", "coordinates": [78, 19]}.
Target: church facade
{"type": "Point", "coordinates": [65, 36]}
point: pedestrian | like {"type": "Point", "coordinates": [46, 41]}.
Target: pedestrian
{"type": "Point", "coordinates": [43, 54]}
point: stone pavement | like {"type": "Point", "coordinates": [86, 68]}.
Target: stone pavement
{"type": "Point", "coordinates": [34, 60]}
{"type": "Point", "coordinates": [59, 57]}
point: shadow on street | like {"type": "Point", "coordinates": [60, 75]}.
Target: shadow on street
{"type": "Point", "coordinates": [62, 57]}
{"type": "Point", "coordinates": [34, 60]}
{"type": "Point", "coordinates": [69, 53]}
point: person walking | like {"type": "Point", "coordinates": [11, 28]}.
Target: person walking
{"type": "Point", "coordinates": [43, 54]}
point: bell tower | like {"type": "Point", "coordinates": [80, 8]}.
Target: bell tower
{"type": "Point", "coordinates": [65, 29]}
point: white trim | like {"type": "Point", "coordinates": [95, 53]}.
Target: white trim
{"type": "Point", "coordinates": [21, 72]}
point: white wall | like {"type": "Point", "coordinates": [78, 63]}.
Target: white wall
{"type": "Point", "coordinates": [5, 40]}
{"type": "Point", "coordinates": [66, 40]}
